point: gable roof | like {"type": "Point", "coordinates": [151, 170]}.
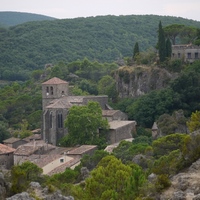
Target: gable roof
{"type": "Point", "coordinates": [11, 140]}
{"type": "Point", "coordinates": [5, 149]}
{"type": "Point", "coordinates": [54, 81]}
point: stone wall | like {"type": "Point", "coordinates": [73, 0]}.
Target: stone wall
{"type": "Point", "coordinates": [6, 160]}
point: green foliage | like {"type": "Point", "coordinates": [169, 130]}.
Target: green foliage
{"type": "Point", "coordinates": [107, 86]}
{"type": "Point", "coordinates": [14, 18]}
{"type": "Point", "coordinates": [162, 182]}
{"type": "Point", "coordinates": [127, 150]}
{"type": "Point", "coordinates": [91, 161]}
{"type": "Point", "coordinates": [19, 101]}
{"type": "Point", "coordinates": [168, 48]}
{"type": "Point", "coordinates": [83, 123]}
{"type": "Point", "coordinates": [174, 162]}
{"type": "Point", "coordinates": [191, 149]}
{"type": "Point", "coordinates": [168, 124]}
{"type": "Point", "coordinates": [4, 131]}
{"type": "Point", "coordinates": [165, 145]}
{"type": "Point", "coordinates": [112, 179]}
{"type": "Point", "coordinates": [172, 31]}
{"type": "Point", "coordinates": [194, 121]}
{"type": "Point", "coordinates": [146, 109]}
{"type": "Point", "coordinates": [136, 50]}
{"type": "Point", "coordinates": [29, 46]}
{"type": "Point", "coordinates": [161, 43]}
{"type": "Point", "coordinates": [22, 175]}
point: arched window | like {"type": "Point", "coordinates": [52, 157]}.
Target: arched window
{"type": "Point", "coordinates": [51, 120]}
{"type": "Point", "coordinates": [60, 120]}
{"type": "Point", "coordinates": [51, 89]}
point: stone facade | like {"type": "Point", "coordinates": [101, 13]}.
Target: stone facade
{"type": "Point", "coordinates": [14, 142]}
{"type": "Point", "coordinates": [188, 53]}
{"type": "Point", "coordinates": [6, 156]}
{"type": "Point", "coordinates": [56, 104]}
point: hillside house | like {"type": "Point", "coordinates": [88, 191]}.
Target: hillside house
{"type": "Point", "coordinates": [186, 52]}
{"type": "Point", "coordinates": [14, 142]}
{"type": "Point", "coordinates": [6, 156]}
{"type": "Point", "coordinates": [56, 103]}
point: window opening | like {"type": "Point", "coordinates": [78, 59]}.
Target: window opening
{"type": "Point", "coordinates": [51, 120]}
{"type": "Point", "coordinates": [60, 120]}
{"type": "Point", "coordinates": [51, 90]}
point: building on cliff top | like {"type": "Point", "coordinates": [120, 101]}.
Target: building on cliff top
{"type": "Point", "coordinates": [186, 52]}
{"type": "Point", "coordinates": [56, 103]}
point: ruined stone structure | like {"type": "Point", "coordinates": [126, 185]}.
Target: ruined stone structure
{"type": "Point", "coordinates": [187, 52]}
{"type": "Point", "coordinates": [56, 104]}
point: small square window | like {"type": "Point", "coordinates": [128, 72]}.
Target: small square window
{"type": "Point", "coordinates": [61, 160]}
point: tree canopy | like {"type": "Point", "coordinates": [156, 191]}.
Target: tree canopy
{"type": "Point", "coordinates": [83, 124]}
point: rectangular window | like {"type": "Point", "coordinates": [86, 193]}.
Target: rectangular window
{"type": "Point", "coordinates": [196, 55]}
{"type": "Point", "coordinates": [60, 121]}
{"type": "Point", "coordinates": [61, 160]}
{"type": "Point", "coordinates": [179, 55]}
{"type": "Point", "coordinates": [189, 55]}
{"type": "Point", "coordinates": [51, 120]}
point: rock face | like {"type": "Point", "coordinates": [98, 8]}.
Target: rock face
{"type": "Point", "coordinates": [21, 196]}
{"type": "Point", "coordinates": [3, 186]}
{"type": "Point", "coordinates": [185, 186]}
{"type": "Point", "coordinates": [139, 80]}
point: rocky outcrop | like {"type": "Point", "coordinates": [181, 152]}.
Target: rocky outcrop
{"type": "Point", "coordinates": [185, 185]}
{"type": "Point", "coordinates": [21, 196]}
{"type": "Point", "coordinates": [37, 192]}
{"type": "Point", "coordinates": [139, 80]}
{"type": "Point", "coordinates": [3, 186]}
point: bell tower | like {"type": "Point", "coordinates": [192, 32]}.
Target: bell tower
{"type": "Point", "coordinates": [52, 89]}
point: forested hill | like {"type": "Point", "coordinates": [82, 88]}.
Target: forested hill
{"type": "Point", "coordinates": [14, 18]}
{"type": "Point", "coordinates": [104, 38]}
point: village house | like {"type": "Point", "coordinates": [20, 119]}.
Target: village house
{"type": "Point", "coordinates": [14, 142]}
{"type": "Point", "coordinates": [49, 158]}
{"type": "Point", "coordinates": [186, 52]}
{"type": "Point", "coordinates": [6, 156]}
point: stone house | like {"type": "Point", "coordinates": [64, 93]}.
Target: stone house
{"type": "Point", "coordinates": [56, 103]}
{"type": "Point", "coordinates": [14, 142]}
{"type": "Point", "coordinates": [6, 156]}
{"type": "Point", "coordinates": [49, 158]}
{"type": "Point", "coordinates": [186, 52]}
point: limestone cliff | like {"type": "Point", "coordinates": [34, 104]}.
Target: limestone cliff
{"type": "Point", "coordinates": [139, 80]}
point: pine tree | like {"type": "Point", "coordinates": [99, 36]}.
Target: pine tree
{"type": "Point", "coordinates": [161, 43]}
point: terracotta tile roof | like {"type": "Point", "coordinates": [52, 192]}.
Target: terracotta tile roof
{"type": "Point", "coordinates": [5, 149]}
{"type": "Point", "coordinates": [81, 150]}
{"type": "Point", "coordinates": [33, 146]}
{"type": "Point", "coordinates": [53, 81]}
{"type": "Point", "coordinates": [117, 124]}
{"type": "Point", "coordinates": [32, 137]}
{"type": "Point", "coordinates": [11, 140]}
{"type": "Point", "coordinates": [109, 112]}
{"type": "Point", "coordinates": [60, 103]}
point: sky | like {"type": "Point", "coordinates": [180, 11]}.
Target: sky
{"type": "Point", "coordinates": [63, 9]}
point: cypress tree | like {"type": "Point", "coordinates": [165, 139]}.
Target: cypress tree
{"type": "Point", "coordinates": [168, 48]}
{"type": "Point", "coordinates": [136, 50]}
{"type": "Point", "coordinates": [161, 43]}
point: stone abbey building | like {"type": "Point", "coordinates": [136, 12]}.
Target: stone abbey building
{"type": "Point", "coordinates": [56, 103]}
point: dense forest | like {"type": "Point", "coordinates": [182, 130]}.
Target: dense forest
{"type": "Point", "coordinates": [32, 45]}
{"type": "Point", "coordinates": [8, 19]}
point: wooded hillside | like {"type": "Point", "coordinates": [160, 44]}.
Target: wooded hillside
{"type": "Point", "coordinates": [14, 18]}
{"type": "Point", "coordinates": [31, 45]}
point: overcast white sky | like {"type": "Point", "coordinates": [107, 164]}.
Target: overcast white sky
{"type": "Point", "coordinates": [63, 9]}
